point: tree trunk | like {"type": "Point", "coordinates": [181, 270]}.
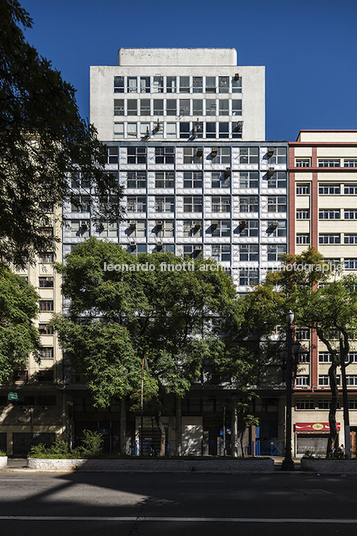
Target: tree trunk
{"type": "Point", "coordinates": [234, 435]}
{"type": "Point", "coordinates": [332, 440]}
{"type": "Point", "coordinates": [162, 430]}
{"type": "Point", "coordinates": [123, 426]}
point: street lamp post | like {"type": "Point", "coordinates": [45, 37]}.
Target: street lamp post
{"type": "Point", "coordinates": [292, 349]}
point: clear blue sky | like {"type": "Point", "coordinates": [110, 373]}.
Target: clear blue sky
{"type": "Point", "coordinates": [309, 47]}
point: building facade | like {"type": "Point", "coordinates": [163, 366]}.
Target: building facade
{"type": "Point", "coordinates": [323, 212]}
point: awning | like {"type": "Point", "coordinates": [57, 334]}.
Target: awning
{"type": "Point", "coordinates": [314, 427]}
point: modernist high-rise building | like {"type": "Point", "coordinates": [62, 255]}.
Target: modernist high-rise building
{"type": "Point", "coordinates": [323, 214]}
{"type": "Point", "coordinates": [185, 131]}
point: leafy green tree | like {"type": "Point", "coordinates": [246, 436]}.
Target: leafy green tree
{"type": "Point", "coordinates": [43, 141]}
{"type": "Point", "coordinates": [18, 335]}
{"type": "Point", "coordinates": [174, 310]}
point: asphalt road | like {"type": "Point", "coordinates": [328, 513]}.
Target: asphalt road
{"type": "Point", "coordinates": [145, 504]}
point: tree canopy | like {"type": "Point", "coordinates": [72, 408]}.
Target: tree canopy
{"type": "Point", "coordinates": [18, 335]}
{"type": "Point", "coordinates": [43, 140]}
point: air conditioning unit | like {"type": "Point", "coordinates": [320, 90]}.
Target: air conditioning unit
{"type": "Point", "coordinates": [159, 245]}
{"type": "Point", "coordinates": [236, 77]}
{"type": "Point", "coordinates": [84, 223]}
{"type": "Point", "coordinates": [272, 226]}
{"type": "Point", "coordinates": [242, 225]}
{"type": "Point", "coordinates": [270, 172]}
{"type": "Point", "coordinates": [238, 126]}
{"type": "Point", "coordinates": [132, 245]}
{"type": "Point", "coordinates": [197, 224]}
{"type": "Point", "coordinates": [227, 172]}
{"type": "Point", "coordinates": [214, 152]}
{"type": "Point", "coordinates": [132, 224]}
{"type": "Point", "coordinates": [199, 152]}
{"type": "Point", "coordinates": [270, 152]}
{"type": "Point", "coordinates": [158, 126]}
{"type": "Point", "coordinates": [148, 133]}
{"type": "Point", "coordinates": [214, 225]}
{"type": "Point", "coordinates": [159, 224]}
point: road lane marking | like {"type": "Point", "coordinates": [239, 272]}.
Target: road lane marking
{"type": "Point", "coordinates": [179, 519]}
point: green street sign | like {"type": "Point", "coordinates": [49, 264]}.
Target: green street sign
{"type": "Point", "coordinates": [12, 396]}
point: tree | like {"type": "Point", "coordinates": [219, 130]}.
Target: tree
{"type": "Point", "coordinates": [43, 140]}
{"type": "Point", "coordinates": [320, 301]}
{"type": "Point", "coordinates": [18, 335]}
{"type": "Point", "coordinates": [173, 309]}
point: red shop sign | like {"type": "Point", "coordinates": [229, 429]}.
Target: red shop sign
{"type": "Point", "coordinates": [314, 426]}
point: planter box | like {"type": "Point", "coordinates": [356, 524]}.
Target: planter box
{"type": "Point", "coordinates": [155, 465]}
{"type": "Point", "coordinates": [3, 461]}
{"type": "Point", "coordinates": [329, 466]}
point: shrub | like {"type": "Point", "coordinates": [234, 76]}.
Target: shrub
{"type": "Point", "coordinates": [92, 443]}
{"type": "Point", "coordinates": [2, 453]}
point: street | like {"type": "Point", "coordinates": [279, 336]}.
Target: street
{"type": "Point", "coordinates": [148, 504]}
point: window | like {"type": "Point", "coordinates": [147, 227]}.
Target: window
{"type": "Point", "coordinates": [302, 239]}
{"type": "Point", "coordinates": [236, 84]}
{"type": "Point", "coordinates": [210, 130]}
{"type": "Point", "coordinates": [248, 155]}
{"type": "Point", "coordinates": [352, 357]}
{"type": "Point", "coordinates": [118, 106]}
{"type": "Point", "coordinates": [351, 379]}
{"type": "Point", "coordinates": [304, 358]}
{"type": "Point", "coordinates": [221, 228]}
{"type": "Point", "coordinates": [80, 203]}
{"type": "Point", "coordinates": [45, 282]}
{"type": "Point", "coordinates": [139, 248]}
{"type": "Point", "coordinates": [108, 230]}
{"type": "Point", "coordinates": [329, 214]}
{"type": "Point", "coordinates": [277, 203]}
{"type": "Point", "coordinates": [171, 130]}
{"type": "Point", "coordinates": [192, 251]}
{"type": "Point", "coordinates": [236, 107]}
{"type": "Point", "coordinates": [350, 214]}
{"type": "Point", "coordinates": [275, 252]}
{"type": "Point", "coordinates": [305, 404]}
{"type": "Point", "coordinates": [46, 353]}
{"type": "Point", "coordinates": [136, 203]}
{"type": "Point", "coordinates": [279, 156]}
{"type": "Point", "coordinates": [192, 179]}
{"type": "Point", "coordinates": [350, 163]}
{"type": "Point", "coordinates": [352, 404]}
{"type": "Point", "coordinates": [251, 228]}
{"type": "Point", "coordinates": [221, 203]}
{"type": "Point", "coordinates": [211, 84]}
{"type": "Point", "coordinates": [184, 130]}
{"type": "Point", "coordinates": [158, 107]}
{"type": "Point", "coordinates": [171, 84]}
{"type": "Point", "coordinates": [192, 228]}
{"type": "Point", "coordinates": [158, 85]}
{"type": "Point", "coordinates": [136, 179]}
{"type": "Point", "coordinates": [248, 277]}
{"type": "Point", "coordinates": [248, 252]}
{"type": "Point", "coordinates": [223, 130]}
{"type": "Point", "coordinates": [220, 180]}
{"type": "Point", "coordinates": [329, 190]}
{"type": "Point", "coordinates": [329, 163]}
{"type": "Point", "coordinates": [303, 189]}
{"type": "Point", "coordinates": [278, 180]}
{"type": "Point", "coordinates": [118, 84]}
{"type": "Point", "coordinates": [276, 228]}
{"type": "Point", "coordinates": [197, 107]}
{"type": "Point", "coordinates": [223, 84]}
{"type": "Point", "coordinates": [46, 257]}
{"type": "Point", "coordinates": [47, 231]}
{"type": "Point", "coordinates": [192, 203]}
{"type": "Point", "coordinates": [249, 203]}
{"type": "Point", "coordinates": [351, 189]}
{"type": "Point", "coordinates": [221, 155]}
{"type": "Point", "coordinates": [118, 130]}
{"type": "Point", "coordinates": [132, 107]}
{"type": "Point", "coordinates": [136, 229]}
{"type": "Point", "coordinates": [325, 404]}
{"type": "Point", "coordinates": [324, 357]}
{"type": "Point", "coordinates": [136, 155]}
{"type": "Point", "coordinates": [145, 107]}
{"type": "Point", "coordinates": [192, 155]}
{"type": "Point", "coordinates": [165, 229]}
{"type": "Point", "coordinates": [197, 84]}
{"type": "Point", "coordinates": [350, 239]}
{"type": "Point", "coordinates": [164, 179]}
{"type": "Point", "coordinates": [113, 153]}
{"type": "Point", "coordinates": [211, 107]}
{"type": "Point", "coordinates": [302, 214]}
{"type": "Point", "coordinates": [165, 203]}
{"type": "Point", "coordinates": [221, 252]}
{"type": "Point", "coordinates": [329, 239]}
{"type": "Point", "coordinates": [131, 84]}
{"type": "Point", "coordinates": [164, 155]}
{"type": "Point", "coordinates": [302, 162]}
{"type": "Point", "coordinates": [171, 107]}
{"type": "Point", "coordinates": [184, 84]}
{"type": "Point", "coordinates": [248, 179]}
{"type": "Point", "coordinates": [46, 305]}
{"type": "Point", "coordinates": [350, 264]}
{"type": "Point", "coordinates": [45, 329]}
{"type": "Point", "coordinates": [144, 84]}
{"type": "Point", "coordinates": [223, 108]}
{"type": "Point", "coordinates": [302, 381]}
